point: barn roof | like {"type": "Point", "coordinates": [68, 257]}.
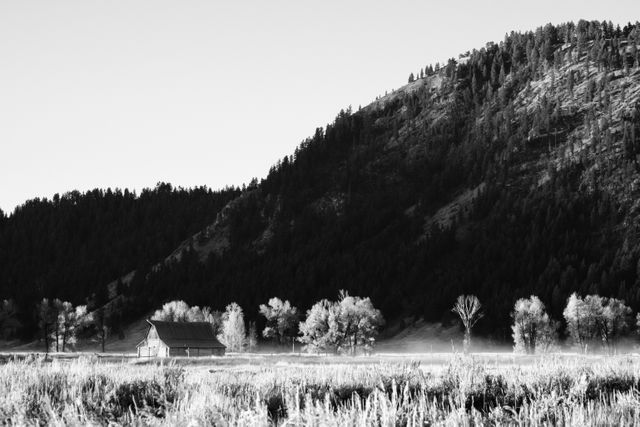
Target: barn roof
{"type": "Point", "coordinates": [186, 334]}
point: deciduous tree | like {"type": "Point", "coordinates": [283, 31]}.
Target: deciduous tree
{"type": "Point", "coordinates": [282, 320]}
{"type": "Point", "coordinates": [179, 311]}
{"type": "Point", "coordinates": [233, 333]}
{"type": "Point", "coordinates": [595, 318]}
{"type": "Point", "coordinates": [341, 326]}
{"type": "Point", "coordinates": [317, 329]}
{"type": "Point", "coordinates": [69, 319]}
{"type": "Point", "coordinates": [615, 322]}
{"type": "Point", "coordinates": [580, 322]}
{"type": "Point", "coordinates": [173, 311]}
{"type": "Point", "coordinates": [532, 328]}
{"type": "Point", "coordinates": [359, 322]}
{"type": "Point", "coordinates": [468, 308]}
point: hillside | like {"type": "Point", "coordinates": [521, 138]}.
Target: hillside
{"type": "Point", "coordinates": [512, 170]}
{"type": "Point", "coordinates": [71, 246]}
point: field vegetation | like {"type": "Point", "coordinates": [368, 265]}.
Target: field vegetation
{"type": "Point", "coordinates": [443, 390]}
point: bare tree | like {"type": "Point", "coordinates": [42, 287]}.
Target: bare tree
{"type": "Point", "coordinates": [468, 308]}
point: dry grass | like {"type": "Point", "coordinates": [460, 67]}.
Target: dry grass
{"type": "Point", "coordinates": [462, 391]}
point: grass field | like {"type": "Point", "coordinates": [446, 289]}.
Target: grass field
{"type": "Point", "coordinates": [387, 389]}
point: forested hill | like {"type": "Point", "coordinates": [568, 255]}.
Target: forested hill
{"type": "Point", "coordinates": [509, 171]}
{"type": "Point", "coordinates": [71, 246]}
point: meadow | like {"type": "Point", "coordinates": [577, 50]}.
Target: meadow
{"type": "Point", "coordinates": [388, 390]}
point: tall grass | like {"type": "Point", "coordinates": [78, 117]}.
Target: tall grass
{"type": "Point", "coordinates": [462, 392]}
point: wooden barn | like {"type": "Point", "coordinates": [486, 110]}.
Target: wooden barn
{"type": "Point", "coordinates": [191, 339]}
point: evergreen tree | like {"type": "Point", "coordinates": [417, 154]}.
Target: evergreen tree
{"type": "Point", "coordinates": [9, 323]}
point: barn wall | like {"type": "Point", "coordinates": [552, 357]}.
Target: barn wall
{"type": "Point", "coordinates": [195, 352]}
{"type": "Point", "coordinates": [152, 338]}
{"type": "Point", "coordinates": [146, 351]}
{"type": "Point", "coordinates": [163, 350]}
{"type": "Point", "coordinates": [177, 352]}
{"type": "Point", "coordinates": [153, 351]}
{"type": "Point", "coordinates": [154, 346]}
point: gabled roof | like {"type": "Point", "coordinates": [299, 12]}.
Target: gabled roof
{"type": "Point", "coordinates": [186, 334]}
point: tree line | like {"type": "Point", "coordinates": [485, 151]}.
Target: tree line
{"type": "Point", "coordinates": [61, 324]}
{"type": "Point", "coordinates": [591, 322]}
{"type": "Point", "coordinates": [348, 325]}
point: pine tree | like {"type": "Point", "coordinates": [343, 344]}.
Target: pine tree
{"type": "Point", "coordinates": [9, 323]}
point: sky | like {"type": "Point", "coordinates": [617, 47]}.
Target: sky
{"type": "Point", "coordinates": [128, 93]}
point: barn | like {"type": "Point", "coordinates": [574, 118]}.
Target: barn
{"type": "Point", "coordinates": [190, 339]}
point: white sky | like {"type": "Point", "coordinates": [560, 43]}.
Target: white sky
{"type": "Point", "coordinates": [126, 93]}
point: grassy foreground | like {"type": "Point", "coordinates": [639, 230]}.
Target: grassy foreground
{"type": "Point", "coordinates": [462, 391]}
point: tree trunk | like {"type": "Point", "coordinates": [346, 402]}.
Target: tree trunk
{"type": "Point", "coordinates": [466, 344]}
{"type": "Point", "coordinates": [46, 338]}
